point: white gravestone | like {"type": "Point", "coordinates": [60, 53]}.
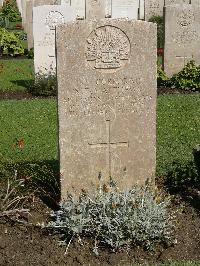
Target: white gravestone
{"type": "Point", "coordinates": [79, 7]}
{"type": "Point", "coordinates": [125, 9]}
{"type": "Point", "coordinates": [182, 37]}
{"type": "Point", "coordinates": [45, 20]}
{"type": "Point", "coordinates": [153, 8]}
{"type": "Point", "coordinates": [141, 9]}
{"type": "Point", "coordinates": [19, 5]}
{"type": "Point", "coordinates": [176, 2]}
{"type": "Point", "coordinates": [95, 9]}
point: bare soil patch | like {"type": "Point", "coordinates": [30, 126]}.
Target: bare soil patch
{"type": "Point", "coordinates": [27, 244]}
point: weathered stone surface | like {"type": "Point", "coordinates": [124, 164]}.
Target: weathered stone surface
{"type": "Point", "coordinates": [182, 37]}
{"type": "Point", "coordinates": [95, 9]}
{"type": "Point", "coordinates": [125, 9]}
{"type": "Point", "coordinates": [23, 6]}
{"type": "Point", "coordinates": [174, 2]}
{"type": "Point", "coordinates": [45, 19]}
{"type": "Point", "coordinates": [141, 9]}
{"type": "Point", "coordinates": [79, 8]}
{"type": "Point", "coordinates": [29, 17]}
{"type": "Point", "coordinates": [106, 102]}
{"type": "Point", "coordinates": [153, 8]}
{"type": "Point", "coordinates": [195, 2]}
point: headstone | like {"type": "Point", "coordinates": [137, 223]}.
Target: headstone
{"type": "Point", "coordinates": [195, 2]}
{"type": "Point", "coordinates": [1, 3]}
{"type": "Point", "coordinates": [106, 103]}
{"type": "Point", "coordinates": [66, 2]}
{"type": "Point", "coordinates": [153, 8]}
{"type": "Point", "coordinates": [141, 9]}
{"type": "Point", "coordinates": [29, 17]}
{"type": "Point", "coordinates": [79, 7]}
{"type": "Point", "coordinates": [95, 9]}
{"type": "Point", "coordinates": [108, 8]}
{"type": "Point", "coordinates": [176, 2]}
{"type": "Point", "coordinates": [23, 6]}
{"type": "Point", "coordinates": [45, 20]}
{"type": "Point", "coordinates": [182, 37]}
{"type": "Point", "coordinates": [19, 5]}
{"type": "Point", "coordinates": [125, 9]}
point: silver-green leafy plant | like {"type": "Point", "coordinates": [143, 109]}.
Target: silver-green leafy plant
{"type": "Point", "coordinates": [117, 219]}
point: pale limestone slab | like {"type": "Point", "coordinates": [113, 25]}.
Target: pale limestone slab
{"type": "Point", "coordinates": [182, 37]}
{"type": "Point", "coordinates": [45, 20]}
{"type": "Point", "coordinates": [23, 6]}
{"type": "Point", "coordinates": [29, 17]}
{"type": "Point", "coordinates": [19, 5]}
{"type": "Point", "coordinates": [153, 8]}
{"type": "Point", "coordinates": [195, 2]}
{"type": "Point", "coordinates": [125, 9]}
{"type": "Point", "coordinates": [79, 7]}
{"type": "Point", "coordinates": [106, 103]}
{"type": "Point", "coordinates": [176, 2]}
{"type": "Point", "coordinates": [108, 8]}
{"type": "Point", "coordinates": [141, 9]}
{"type": "Point", "coordinates": [95, 9]}
{"type": "Point", "coordinates": [66, 2]}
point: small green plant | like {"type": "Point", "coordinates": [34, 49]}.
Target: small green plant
{"type": "Point", "coordinates": [30, 53]}
{"type": "Point", "coordinates": [182, 176]}
{"type": "Point", "coordinates": [188, 78]}
{"type": "Point", "coordinates": [45, 85]}
{"type": "Point", "coordinates": [116, 219]}
{"type": "Point", "coordinates": [162, 79]}
{"type": "Point", "coordinates": [10, 12]}
{"type": "Point", "coordinates": [10, 43]}
{"type": "Point", "coordinates": [160, 29]}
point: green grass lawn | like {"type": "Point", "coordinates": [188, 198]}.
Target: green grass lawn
{"type": "Point", "coordinates": [178, 129]}
{"type": "Point", "coordinates": [35, 122]}
{"type": "Point", "coordinates": [14, 74]}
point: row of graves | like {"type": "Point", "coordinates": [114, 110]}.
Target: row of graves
{"type": "Point", "coordinates": [105, 60]}
{"type": "Point", "coordinates": [40, 18]}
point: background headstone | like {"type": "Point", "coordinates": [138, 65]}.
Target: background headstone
{"type": "Point", "coordinates": [195, 2]}
{"type": "Point", "coordinates": [153, 8]}
{"type": "Point", "coordinates": [125, 9]}
{"type": "Point", "coordinates": [106, 102]}
{"type": "Point", "coordinates": [176, 2]}
{"type": "Point", "coordinates": [19, 5]}
{"type": "Point", "coordinates": [95, 9]}
{"type": "Point", "coordinates": [29, 17]}
{"type": "Point", "coordinates": [141, 9]}
{"type": "Point", "coordinates": [79, 7]}
{"type": "Point", "coordinates": [23, 14]}
{"type": "Point", "coordinates": [45, 19]}
{"type": "Point", "coordinates": [108, 8]}
{"type": "Point", "coordinates": [182, 37]}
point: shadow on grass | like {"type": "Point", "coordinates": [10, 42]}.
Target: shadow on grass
{"type": "Point", "coordinates": [24, 83]}
{"type": "Point", "coordinates": [42, 177]}
{"type": "Point", "coordinates": [184, 179]}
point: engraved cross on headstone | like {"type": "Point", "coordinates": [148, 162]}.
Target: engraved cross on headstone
{"type": "Point", "coordinates": [109, 144]}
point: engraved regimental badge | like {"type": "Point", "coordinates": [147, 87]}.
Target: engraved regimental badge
{"type": "Point", "coordinates": [107, 47]}
{"type": "Point", "coordinates": [53, 19]}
